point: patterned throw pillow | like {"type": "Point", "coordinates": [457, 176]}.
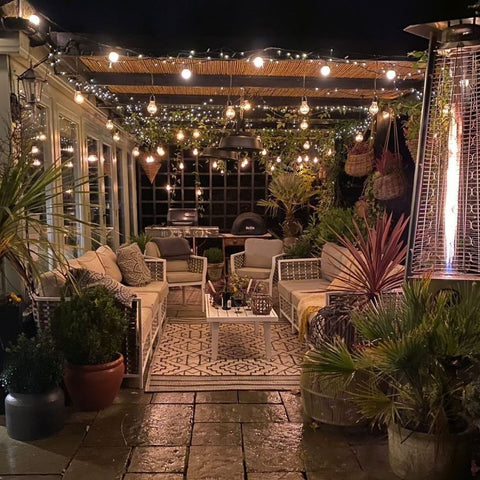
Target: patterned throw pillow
{"type": "Point", "coordinates": [131, 262]}
{"type": "Point", "coordinates": [86, 278]}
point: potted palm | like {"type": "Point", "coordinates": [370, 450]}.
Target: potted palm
{"type": "Point", "coordinates": [35, 404]}
{"type": "Point", "coordinates": [89, 328]}
{"type": "Point", "coordinates": [289, 192]}
{"type": "Point", "coordinates": [418, 359]}
{"type": "Point", "coordinates": [214, 263]}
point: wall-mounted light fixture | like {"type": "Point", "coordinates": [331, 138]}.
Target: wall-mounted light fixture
{"type": "Point", "coordinates": [32, 85]}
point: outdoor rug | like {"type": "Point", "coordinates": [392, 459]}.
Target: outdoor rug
{"type": "Point", "coordinates": [181, 361]}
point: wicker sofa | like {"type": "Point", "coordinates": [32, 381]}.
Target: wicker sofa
{"type": "Point", "coordinates": [307, 284]}
{"type": "Point", "coordinates": [146, 310]}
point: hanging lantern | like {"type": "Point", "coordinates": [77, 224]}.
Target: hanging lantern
{"type": "Point", "coordinates": [32, 85]}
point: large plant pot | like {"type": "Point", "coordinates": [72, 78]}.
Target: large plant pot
{"type": "Point", "coordinates": [214, 271]}
{"type": "Point", "coordinates": [33, 416]}
{"type": "Point", "coordinates": [423, 456]}
{"type": "Point", "coordinates": [94, 387]}
{"type": "Point", "coordinates": [322, 404]}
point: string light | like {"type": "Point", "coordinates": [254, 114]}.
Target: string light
{"type": "Point", "coordinates": [78, 96]}
{"type": "Point", "coordinates": [42, 137]}
{"type": "Point", "coordinates": [181, 166]}
{"type": "Point", "coordinates": [325, 70]}
{"type": "Point", "coordinates": [246, 105]}
{"type": "Point", "coordinates": [264, 152]}
{"type": "Point", "coordinates": [34, 19]}
{"type": "Point", "coordinates": [359, 137]}
{"type": "Point", "coordinates": [113, 57]}
{"type": "Point", "coordinates": [109, 124]}
{"type": "Point", "coordinates": [258, 62]}
{"type": "Point", "coordinates": [92, 158]}
{"type": "Point", "coordinates": [161, 151]}
{"type": "Point", "coordinates": [168, 187]}
{"type": "Point", "coordinates": [152, 106]}
{"type": "Point", "coordinates": [116, 136]}
{"type": "Point", "coordinates": [186, 73]}
{"type": "Point", "coordinates": [135, 151]}
{"type": "Point", "coordinates": [215, 164]}
{"type": "Point", "coordinates": [34, 150]}
{"type": "Point", "coordinates": [180, 135]}
{"type": "Point", "coordinates": [391, 74]}
{"type": "Point", "coordinates": [230, 112]}
{"type": "Point", "coordinates": [195, 151]}
{"type": "Point", "coordinates": [304, 124]}
{"type": "Point", "coordinates": [36, 162]}
{"type": "Point", "coordinates": [373, 108]}
{"type": "Point", "coordinates": [304, 108]}
{"type": "Point", "coordinates": [196, 133]}
{"type": "Point", "coordinates": [150, 159]}
{"type": "Point", "coordinates": [306, 145]}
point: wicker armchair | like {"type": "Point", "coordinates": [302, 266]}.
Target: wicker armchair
{"type": "Point", "coordinates": [188, 271]}
{"type": "Point", "coordinates": [259, 261]}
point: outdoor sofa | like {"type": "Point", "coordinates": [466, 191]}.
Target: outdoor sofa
{"type": "Point", "coordinates": [145, 305]}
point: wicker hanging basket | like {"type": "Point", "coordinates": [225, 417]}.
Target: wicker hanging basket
{"type": "Point", "coordinates": [151, 169]}
{"type": "Point", "coordinates": [360, 164]}
{"type": "Point", "coordinates": [390, 186]}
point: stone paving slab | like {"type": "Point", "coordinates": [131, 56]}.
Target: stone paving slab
{"type": "Point", "coordinates": [217, 434]}
{"type": "Point", "coordinates": [158, 460]}
{"type": "Point", "coordinates": [277, 476]}
{"type": "Point", "coordinates": [215, 463]}
{"type": "Point", "coordinates": [221, 396]}
{"type": "Point", "coordinates": [259, 397]}
{"type": "Point", "coordinates": [293, 406]}
{"type": "Point", "coordinates": [133, 425]}
{"type": "Point", "coordinates": [106, 463]}
{"type": "Point", "coordinates": [240, 413]}
{"type": "Point", "coordinates": [47, 456]}
{"type": "Point", "coordinates": [174, 397]}
{"type": "Point", "coordinates": [132, 395]}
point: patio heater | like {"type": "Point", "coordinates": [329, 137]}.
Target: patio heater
{"type": "Point", "coordinates": [444, 236]}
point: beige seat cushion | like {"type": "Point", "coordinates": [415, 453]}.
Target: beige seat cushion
{"type": "Point", "coordinates": [183, 277]}
{"type": "Point", "coordinates": [177, 266]}
{"type": "Point", "coordinates": [147, 318]}
{"type": "Point", "coordinates": [333, 259]}
{"type": "Point", "coordinates": [51, 283]}
{"type": "Point", "coordinates": [74, 263]}
{"type": "Point", "coordinates": [91, 261]}
{"type": "Point", "coordinates": [252, 272]}
{"type": "Point", "coordinates": [148, 300]}
{"type": "Point", "coordinates": [259, 252]}
{"type": "Point", "coordinates": [135, 271]}
{"type": "Point", "coordinates": [286, 287]}
{"type": "Point", "coordinates": [159, 287]}
{"type": "Point", "coordinates": [151, 250]}
{"type": "Point", "coordinates": [108, 258]}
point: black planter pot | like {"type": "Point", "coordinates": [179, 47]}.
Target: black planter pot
{"type": "Point", "coordinates": [12, 324]}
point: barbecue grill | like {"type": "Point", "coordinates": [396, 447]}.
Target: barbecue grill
{"type": "Point", "coordinates": [182, 217]}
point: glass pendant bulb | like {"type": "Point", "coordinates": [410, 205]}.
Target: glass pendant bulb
{"type": "Point", "coordinates": [109, 124]}
{"type": "Point", "coordinates": [359, 137]}
{"type": "Point", "coordinates": [230, 112]}
{"type": "Point", "coordinates": [180, 135]}
{"type": "Point", "coordinates": [135, 151]}
{"type": "Point", "coordinates": [152, 106]}
{"type": "Point", "coordinates": [78, 96]}
{"type": "Point", "coordinates": [304, 108]}
{"type": "Point", "coordinates": [195, 151]}
{"type": "Point", "coordinates": [325, 70]}
{"type": "Point", "coordinates": [196, 133]}
{"type": "Point", "coordinates": [246, 105]}
{"type": "Point", "coordinates": [373, 108]}
{"type": "Point", "coordinates": [116, 137]}
{"type": "Point", "coordinates": [161, 151]}
{"type": "Point", "coordinates": [304, 125]}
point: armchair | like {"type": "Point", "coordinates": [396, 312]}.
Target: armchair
{"type": "Point", "coordinates": [183, 268]}
{"type": "Point", "coordinates": [258, 261]}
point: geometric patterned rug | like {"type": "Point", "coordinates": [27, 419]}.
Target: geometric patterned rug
{"type": "Point", "coordinates": [181, 361]}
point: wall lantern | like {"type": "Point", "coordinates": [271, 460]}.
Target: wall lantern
{"type": "Point", "coordinates": [32, 85]}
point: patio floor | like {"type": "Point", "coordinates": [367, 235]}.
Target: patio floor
{"type": "Point", "coordinates": [222, 435]}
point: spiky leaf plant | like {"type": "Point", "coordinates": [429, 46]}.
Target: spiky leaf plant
{"type": "Point", "coordinates": [417, 359]}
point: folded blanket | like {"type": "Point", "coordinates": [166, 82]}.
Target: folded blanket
{"type": "Point", "coordinates": [176, 248]}
{"type": "Point", "coordinates": [306, 308]}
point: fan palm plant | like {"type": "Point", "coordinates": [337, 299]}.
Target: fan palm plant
{"type": "Point", "coordinates": [417, 361]}
{"type": "Point", "coordinates": [289, 192]}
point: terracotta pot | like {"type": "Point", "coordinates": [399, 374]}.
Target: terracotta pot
{"type": "Point", "coordinates": [422, 456]}
{"type": "Point", "coordinates": [94, 387]}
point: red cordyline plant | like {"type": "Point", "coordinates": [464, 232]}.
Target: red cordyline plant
{"type": "Point", "coordinates": [376, 255]}
{"type": "Point", "coordinates": [388, 162]}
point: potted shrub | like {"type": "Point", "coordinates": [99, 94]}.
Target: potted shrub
{"type": "Point", "coordinates": [289, 192]}
{"type": "Point", "coordinates": [418, 361]}
{"type": "Point", "coordinates": [214, 263]}
{"type": "Point", "coordinates": [89, 328]}
{"type": "Point", "coordinates": [35, 404]}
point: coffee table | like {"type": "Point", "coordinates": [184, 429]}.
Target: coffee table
{"type": "Point", "coordinates": [215, 315]}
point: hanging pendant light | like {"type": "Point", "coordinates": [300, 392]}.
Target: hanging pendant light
{"type": "Point", "coordinates": [304, 124]}
{"type": "Point", "coordinates": [304, 107]}
{"type": "Point", "coordinates": [152, 106]}
{"type": "Point", "coordinates": [373, 108]}
{"type": "Point", "coordinates": [229, 111]}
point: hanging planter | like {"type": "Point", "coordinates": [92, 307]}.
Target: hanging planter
{"type": "Point", "coordinates": [360, 159]}
{"type": "Point", "coordinates": [389, 182]}
{"type": "Point", "coordinates": [151, 168]}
